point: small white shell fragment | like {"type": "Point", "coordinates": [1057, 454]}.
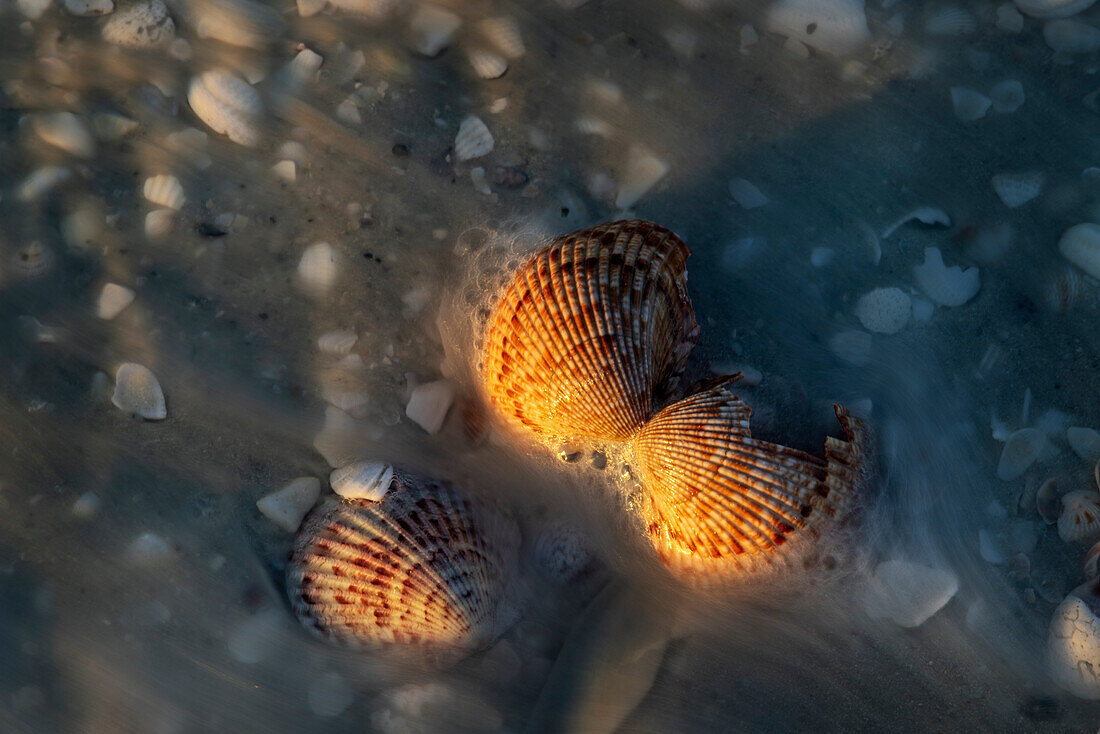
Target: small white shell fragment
{"type": "Point", "coordinates": [87, 506]}
{"type": "Point", "coordinates": [286, 170]}
{"type": "Point", "coordinates": [1073, 644]}
{"type": "Point", "coordinates": [288, 505]}
{"type": "Point", "coordinates": [951, 21]}
{"type": "Point", "coordinates": [40, 181]}
{"type": "Point", "coordinates": [138, 392]}
{"type": "Point", "coordinates": [256, 638]}
{"type": "Point", "coordinates": [946, 286]}
{"type": "Point", "coordinates": [748, 36]}
{"type": "Point", "coordinates": [682, 40]}
{"type": "Point", "coordinates": [112, 299]}
{"type": "Point", "coordinates": [66, 131]}
{"type": "Point", "coordinates": [159, 223]}
{"type": "Point", "coordinates": [504, 33]}
{"type": "Point", "coordinates": [747, 194]}
{"type": "Point", "coordinates": [1080, 244]}
{"type": "Point", "coordinates": [89, 7]}
{"type": "Point", "coordinates": [319, 266]}
{"type": "Point", "coordinates": [1053, 8]}
{"type": "Point", "coordinates": [641, 173]}
{"type": "Point", "coordinates": [1085, 442]}
{"type": "Point", "coordinates": [429, 403]}
{"type": "Point", "coordinates": [486, 64]}
{"type": "Point", "coordinates": [854, 347]}
{"type": "Point", "coordinates": [473, 139]}
{"type": "Point", "coordinates": [1079, 521]}
{"type": "Point", "coordinates": [1016, 189]}
{"type": "Point", "coordinates": [227, 104]}
{"type": "Point", "coordinates": [969, 104]}
{"type": "Point", "coordinates": [836, 27]}
{"type": "Point", "coordinates": [432, 29]}
{"type": "Point", "coordinates": [1071, 36]}
{"type": "Point", "coordinates": [884, 310]}
{"type": "Point", "coordinates": [1008, 96]}
{"type": "Point", "coordinates": [329, 695]}
{"type": "Point", "coordinates": [1020, 451]}
{"type": "Point", "coordinates": [144, 25]}
{"type": "Point", "coordinates": [347, 112]}
{"type": "Point", "coordinates": [33, 9]}
{"type": "Point", "coordinates": [821, 256]}
{"type": "Point", "coordinates": [989, 548]}
{"type": "Point", "coordinates": [908, 593]}
{"type": "Point", "coordinates": [306, 8]}
{"type": "Point", "coordinates": [480, 181]}
{"type": "Point", "coordinates": [112, 126]}
{"type": "Point", "coordinates": [148, 550]}
{"type": "Point", "coordinates": [1009, 19]}
{"type": "Point", "coordinates": [561, 551]}
{"type": "Point", "coordinates": [164, 191]}
{"type": "Point", "coordinates": [367, 480]}
{"type": "Point", "coordinates": [338, 343]}
{"type": "Point", "coordinates": [930, 215]}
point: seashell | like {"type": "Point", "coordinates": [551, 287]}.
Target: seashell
{"type": "Point", "coordinates": [1048, 503]}
{"type": "Point", "coordinates": [1092, 562]}
{"type": "Point", "coordinates": [432, 29]}
{"type": "Point", "coordinates": [159, 223]}
{"type": "Point", "coordinates": [836, 27]}
{"type": "Point", "coordinates": [473, 139]}
{"type": "Point", "coordinates": [720, 503]}
{"type": "Point", "coordinates": [884, 310]}
{"type": "Point", "coordinates": [237, 22]}
{"type": "Point", "coordinates": [943, 285]}
{"type": "Point", "coordinates": [1007, 96]}
{"type": "Point", "coordinates": [1071, 36]}
{"type": "Point", "coordinates": [143, 25]}
{"type": "Point", "coordinates": [908, 594]}
{"type": "Point", "coordinates": [112, 300]}
{"type": "Point", "coordinates": [1079, 521]}
{"type": "Point", "coordinates": [337, 342]}
{"type": "Point", "coordinates": [969, 105]}
{"type": "Point", "coordinates": [1080, 244]}
{"type": "Point", "coordinates": [1073, 642]}
{"type": "Point", "coordinates": [1009, 19]}
{"type": "Point", "coordinates": [746, 194]}
{"type": "Point", "coordinates": [562, 552]}
{"type": "Point", "coordinates": [593, 325]}
{"type": "Point", "coordinates": [138, 392]}
{"type": "Point", "coordinates": [503, 32]}
{"type": "Point", "coordinates": [951, 21]}
{"type": "Point", "coordinates": [1052, 8]}
{"type": "Point", "coordinates": [363, 480]}
{"type": "Point", "coordinates": [287, 505]}
{"type": "Point", "coordinates": [425, 566]}
{"type": "Point", "coordinates": [487, 65]}
{"type": "Point", "coordinates": [1020, 451]}
{"type": "Point", "coordinates": [641, 172]}
{"type": "Point", "coordinates": [41, 181]}
{"type": "Point", "coordinates": [227, 104]}
{"type": "Point", "coordinates": [66, 131]}
{"type": "Point", "coordinates": [89, 7]}
{"type": "Point", "coordinates": [165, 191]}
{"type": "Point", "coordinates": [319, 266]}
{"type": "Point", "coordinates": [1085, 442]}
{"type": "Point", "coordinates": [429, 404]}
{"type": "Point", "coordinates": [1016, 189]}
{"type": "Point", "coordinates": [33, 260]}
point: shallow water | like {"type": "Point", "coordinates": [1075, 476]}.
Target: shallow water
{"type": "Point", "coordinates": [194, 633]}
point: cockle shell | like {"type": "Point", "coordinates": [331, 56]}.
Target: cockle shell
{"type": "Point", "coordinates": [503, 33]}
{"type": "Point", "coordinates": [33, 260]}
{"type": "Point", "coordinates": [227, 104]}
{"type": "Point", "coordinates": [473, 139]}
{"type": "Point", "coordinates": [487, 64]}
{"type": "Point", "coordinates": [594, 324]}
{"type": "Point", "coordinates": [721, 504]}
{"type": "Point", "coordinates": [165, 191]}
{"type": "Point", "coordinates": [424, 566]}
{"type": "Point", "coordinates": [1079, 521]}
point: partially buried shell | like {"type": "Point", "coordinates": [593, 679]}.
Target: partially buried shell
{"type": "Point", "coordinates": [425, 566]}
{"type": "Point", "coordinates": [227, 104]}
{"type": "Point", "coordinates": [592, 327]}
{"type": "Point", "coordinates": [722, 504]}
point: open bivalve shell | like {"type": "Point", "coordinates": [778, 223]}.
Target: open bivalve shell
{"type": "Point", "coordinates": [425, 567]}
{"type": "Point", "coordinates": [592, 326]}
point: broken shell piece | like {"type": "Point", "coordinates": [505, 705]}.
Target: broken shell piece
{"type": "Point", "coordinates": [931, 215]}
{"type": "Point", "coordinates": [1080, 518]}
{"type": "Point", "coordinates": [144, 25]}
{"type": "Point", "coordinates": [503, 33]}
{"type": "Point", "coordinates": [159, 223]}
{"type": "Point", "coordinates": [1085, 442]}
{"type": "Point", "coordinates": [40, 181]}
{"type": "Point", "coordinates": [432, 29]}
{"type": "Point", "coordinates": [429, 403]}
{"type": "Point", "coordinates": [945, 286]}
{"type": "Point", "coordinates": [227, 104]}
{"type": "Point", "coordinates": [884, 310]}
{"type": "Point", "coordinates": [641, 173]}
{"type": "Point", "coordinates": [288, 505]}
{"type": "Point", "coordinates": [1007, 96]}
{"type": "Point", "coordinates": [473, 139]}
{"type": "Point", "coordinates": [1073, 642]}
{"type": "Point", "coordinates": [66, 131]}
{"type": "Point", "coordinates": [836, 27]}
{"type": "Point", "coordinates": [746, 194]}
{"type": "Point", "coordinates": [1020, 451]}
{"type": "Point", "coordinates": [969, 105]}
{"type": "Point", "coordinates": [363, 480]}
{"type": "Point", "coordinates": [1016, 189]}
{"type": "Point", "coordinates": [337, 342]}
{"type": "Point", "coordinates": [908, 593]}
{"type": "Point", "coordinates": [1081, 246]}
{"type": "Point", "coordinates": [486, 64]}
{"type": "Point", "coordinates": [138, 392]}
{"type": "Point", "coordinates": [112, 299]}
{"type": "Point", "coordinates": [561, 551]}
{"type": "Point", "coordinates": [165, 191]}
{"type": "Point", "coordinates": [319, 266]}
{"type": "Point", "coordinates": [1048, 503]}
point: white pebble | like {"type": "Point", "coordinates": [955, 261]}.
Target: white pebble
{"type": "Point", "coordinates": [319, 266]}
{"type": "Point", "coordinates": [641, 173]}
{"type": "Point", "coordinates": [347, 112]}
{"type": "Point", "coordinates": [432, 29]}
{"type": "Point", "coordinates": [908, 593]}
{"type": "Point", "coordinates": [329, 695]}
{"type": "Point", "coordinates": [969, 105]}
{"type": "Point", "coordinates": [112, 299]}
{"type": "Point", "coordinates": [1081, 246]}
{"type": "Point", "coordinates": [87, 506]}
{"type": "Point", "coordinates": [288, 505]}
{"type": "Point", "coordinates": [429, 403]}
{"type": "Point", "coordinates": [286, 170]}
{"type": "Point", "coordinates": [339, 343]}
{"type": "Point", "coordinates": [138, 392]}
{"type": "Point", "coordinates": [143, 25]}
{"type": "Point", "coordinates": [148, 550]}
{"type": "Point", "coordinates": [884, 310]}
{"type": "Point", "coordinates": [746, 194]}
{"type": "Point", "coordinates": [945, 286]}
{"type": "Point", "coordinates": [368, 480]}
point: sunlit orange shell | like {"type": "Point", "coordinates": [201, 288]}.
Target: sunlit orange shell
{"type": "Point", "coordinates": [424, 566]}
{"type": "Point", "coordinates": [721, 503]}
{"type": "Point", "coordinates": [592, 326]}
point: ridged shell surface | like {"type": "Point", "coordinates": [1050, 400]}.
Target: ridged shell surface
{"type": "Point", "coordinates": [723, 504]}
{"type": "Point", "coordinates": [592, 326]}
{"type": "Point", "coordinates": [227, 104]}
{"type": "Point", "coordinates": [425, 566]}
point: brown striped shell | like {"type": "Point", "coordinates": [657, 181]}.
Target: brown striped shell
{"type": "Point", "coordinates": [424, 566]}
{"type": "Point", "coordinates": [721, 503]}
{"type": "Point", "coordinates": [592, 326]}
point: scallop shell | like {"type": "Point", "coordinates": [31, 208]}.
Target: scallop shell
{"type": "Point", "coordinates": [487, 64]}
{"type": "Point", "coordinates": [721, 504]}
{"type": "Point", "coordinates": [1052, 8]}
{"type": "Point", "coordinates": [473, 139]}
{"type": "Point", "coordinates": [424, 566]}
{"type": "Point", "coordinates": [594, 324]}
{"type": "Point", "coordinates": [144, 25]}
{"type": "Point", "coordinates": [164, 191]}
{"type": "Point", "coordinates": [227, 104]}
{"type": "Point", "coordinates": [1080, 518]}
{"type": "Point", "coordinates": [366, 480]}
